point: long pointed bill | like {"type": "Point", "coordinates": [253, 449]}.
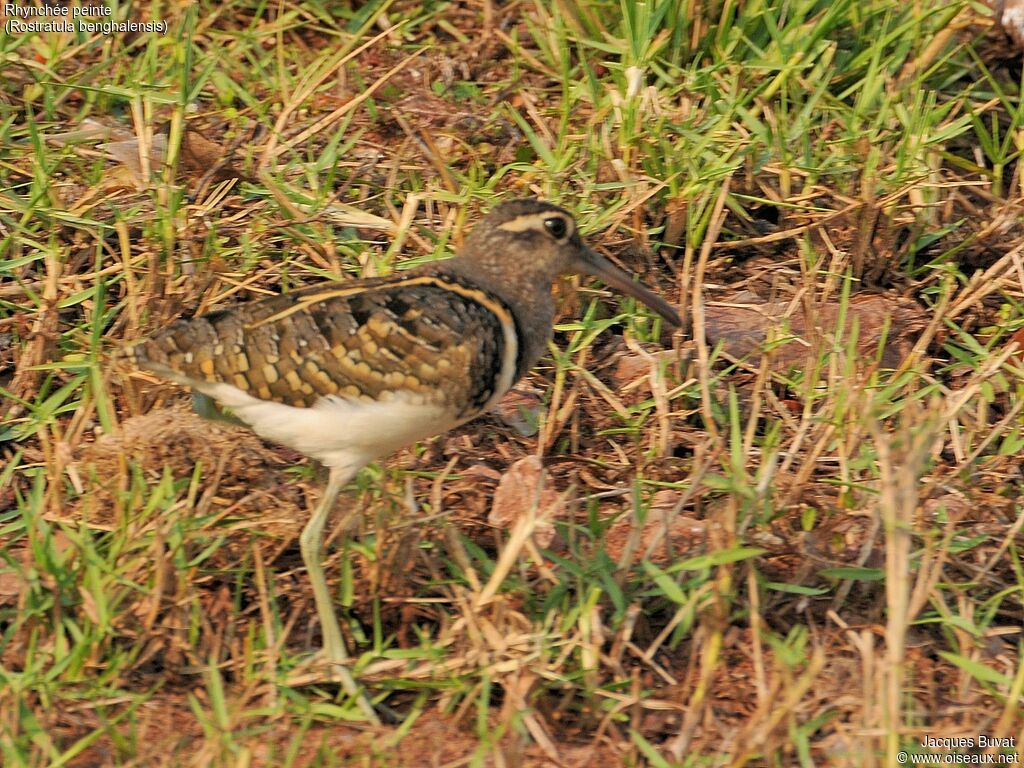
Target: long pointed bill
{"type": "Point", "coordinates": [593, 263]}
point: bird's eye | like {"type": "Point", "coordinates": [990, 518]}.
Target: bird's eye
{"type": "Point", "coordinates": [556, 226]}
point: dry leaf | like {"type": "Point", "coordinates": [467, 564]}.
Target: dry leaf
{"type": "Point", "coordinates": [88, 130]}
{"type": "Point", "coordinates": [632, 366]}
{"type": "Point", "coordinates": [350, 216]}
{"type": "Point", "coordinates": [743, 330]}
{"type": "Point", "coordinates": [520, 409]}
{"type": "Point", "coordinates": [1012, 20]}
{"type": "Point", "coordinates": [680, 535]}
{"type": "Point", "coordinates": [198, 157]}
{"type": "Point", "coordinates": [1018, 336]}
{"type": "Point", "coordinates": [522, 489]}
{"type": "Point", "coordinates": [481, 472]}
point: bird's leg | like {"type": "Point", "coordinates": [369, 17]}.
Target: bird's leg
{"type": "Point", "coordinates": [310, 542]}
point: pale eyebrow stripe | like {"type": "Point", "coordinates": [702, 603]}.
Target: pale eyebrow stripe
{"type": "Point", "coordinates": [535, 221]}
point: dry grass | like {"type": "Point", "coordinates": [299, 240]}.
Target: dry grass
{"type": "Point", "coordinates": [788, 537]}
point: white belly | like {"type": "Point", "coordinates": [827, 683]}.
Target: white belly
{"type": "Point", "coordinates": [337, 431]}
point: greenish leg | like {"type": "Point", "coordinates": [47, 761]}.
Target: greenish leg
{"type": "Point", "coordinates": [310, 541]}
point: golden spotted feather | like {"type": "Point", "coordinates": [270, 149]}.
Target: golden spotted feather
{"type": "Point", "coordinates": [432, 336]}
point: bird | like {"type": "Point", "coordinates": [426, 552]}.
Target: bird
{"type": "Point", "coordinates": [349, 372]}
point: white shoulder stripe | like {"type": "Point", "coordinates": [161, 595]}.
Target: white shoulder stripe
{"type": "Point", "coordinates": [507, 376]}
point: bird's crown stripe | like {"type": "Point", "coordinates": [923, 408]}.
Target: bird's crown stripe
{"type": "Point", "coordinates": [534, 221]}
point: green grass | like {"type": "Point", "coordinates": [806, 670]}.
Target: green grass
{"type": "Point", "coordinates": [856, 580]}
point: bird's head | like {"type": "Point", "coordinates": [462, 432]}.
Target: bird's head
{"type": "Point", "coordinates": [534, 241]}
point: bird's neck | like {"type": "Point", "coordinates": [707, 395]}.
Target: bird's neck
{"type": "Point", "coordinates": [527, 295]}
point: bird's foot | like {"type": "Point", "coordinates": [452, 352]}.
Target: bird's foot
{"type": "Point", "coordinates": [322, 668]}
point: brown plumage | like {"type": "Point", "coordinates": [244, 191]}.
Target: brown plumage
{"type": "Point", "coordinates": [417, 332]}
{"type": "Point", "coordinates": [349, 372]}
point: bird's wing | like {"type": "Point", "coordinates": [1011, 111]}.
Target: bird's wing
{"type": "Point", "coordinates": [429, 335]}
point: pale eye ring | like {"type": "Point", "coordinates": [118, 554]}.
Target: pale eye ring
{"type": "Point", "coordinates": [556, 226]}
